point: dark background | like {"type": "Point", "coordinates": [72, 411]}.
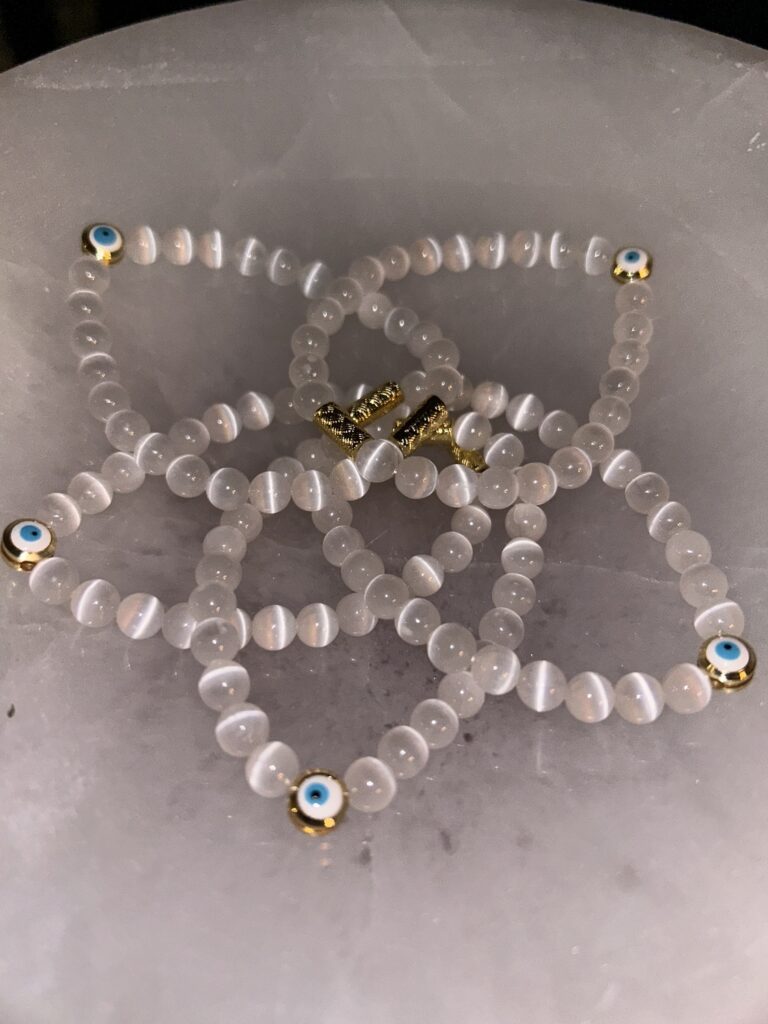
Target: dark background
{"type": "Point", "coordinates": [29, 28]}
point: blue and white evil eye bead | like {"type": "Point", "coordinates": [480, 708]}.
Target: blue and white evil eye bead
{"type": "Point", "coordinates": [729, 661]}
{"type": "Point", "coordinates": [632, 264]}
{"type": "Point", "coordinates": [317, 802]}
{"type": "Point", "coordinates": [27, 542]}
{"type": "Point", "coordinates": [104, 242]}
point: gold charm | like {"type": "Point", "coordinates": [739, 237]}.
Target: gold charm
{"type": "Point", "coordinates": [104, 242]}
{"type": "Point", "coordinates": [345, 427]}
{"type": "Point", "coordinates": [375, 404]}
{"type": "Point", "coordinates": [632, 264]}
{"type": "Point", "coordinates": [729, 661]}
{"type": "Point", "coordinates": [431, 424]}
{"type": "Point", "coordinates": [27, 542]}
{"type": "Point", "coordinates": [317, 802]}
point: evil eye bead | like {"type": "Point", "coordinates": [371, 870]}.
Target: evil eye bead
{"type": "Point", "coordinates": [317, 802]}
{"type": "Point", "coordinates": [729, 661]}
{"type": "Point", "coordinates": [104, 242]}
{"type": "Point", "coordinates": [632, 264]}
{"type": "Point", "coordinates": [27, 542]}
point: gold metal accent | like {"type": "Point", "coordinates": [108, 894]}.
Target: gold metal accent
{"type": "Point", "coordinates": [626, 276]}
{"type": "Point", "coordinates": [336, 424]}
{"type": "Point", "coordinates": [728, 680]}
{"type": "Point", "coordinates": [376, 403]}
{"type": "Point", "coordinates": [100, 252]}
{"type": "Point", "coordinates": [302, 821]}
{"type": "Point", "coordinates": [19, 559]}
{"type": "Point", "coordinates": [431, 424]}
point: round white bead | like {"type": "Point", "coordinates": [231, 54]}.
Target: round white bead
{"type": "Point", "coordinates": [491, 251]}
{"type": "Point", "coordinates": [687, 688]}
{"type": "Point", "coordinates": [541, 686]}
{"type": "Point", "coordinates": [178, 626]}
{"type": "Point", "coordinates": [395, 261]}
{"type": "Point", "coordinates": [686, 548]}
{"type": "Point", "coordinates": [426, 256]}
{"type": "Point", "coordinates": [178, 246]}
{"type": "Point", "coordinates": [143, 246]}
{"type": "Point", "coordinates": [359, 568]}
{"type": "Point", "coordinates": [620, 467]}
{"type": "Point", "coordinates": [227, 489]}
{"type": "Point", "coordinates": [378, 460]}
{"type": "Point", "coordinates": [399, 324]}
{"type": "Point", "coordinates": [453, 551]}
{"type": "Point", "coordinates": [460, 691]}
{"type": "Point", "coordinates": [140, 616]}
{"type": "Point", "coordinates": [271, 768]}
{"type": "Point", "coordinates": [456, 485]}
{"type": "Point", "coordinates": [91, 491]}
{"type": "Point", "coordinates": [537, 483]}
{"type": "Point", "coordinates": [416, 621]}
{"type": "Point", "coordinates": [646, 491]}
{"type": "Point", "coordinates": [347, 481]}
{"type": "Point", "coordinates": [355, 617]}
{"type": "Point", "coordinates": [94, 603]}
{"type": "Point", "coordinates": [525, 412]}
{"type": "Point", "coordinates": [274, 627]}
{"type": "Point", "coordinates": [598, 256]}
{"type": "Point", "coordinates": [122, 473]}
{"type": "Point", "coordinates": [633, 326]}
{"type": "Point", "coordinates": [154, 453]}
{"type": "Point", "coordinates": [472, 431]}
{"type": "Point", "coordinates": [404, 751]}
{"type": "Point", "coordinates": [639, 698]}
{"type": "Point", "coordinates": [188, 436]}
{"type": "Point", "coordinates": [373, 310]}
{"type": "Point", "coordinates": [496, 669]}
{"type": "Point", "coordinates": [458, 253]}
{"type": "Point", "coordinates": [526, 520]}
{"type": "Point", "coordinates": [340, 542]}
{"type": "Point", "coordinates": [636, 295]}
{"type": "Point", "coordinates": [525, 248]}
{"type": "Point", "coordinates": [571, 466]}
{"type": "Point", "coordinates": [557, 429]}
{"type": "Point", "coordinates": [522, 556]}
{"type": "Point", "coordinates": [502, 626]}
{"type": "Point", "coordinates": [490, 399]}
{"type": "Point", "coordinates": [224, 683]}
{"type": "Point", "coordinates": [424, 575]}
{"type": "Point", "coordinates": [249, 255]}
{"type": "Point", "coordinates": [437, 722]}
{"type": "Point", "coordinates": [611, 412]}
{"type": "Point", "coordinates": [269, 492]}
{"type": "Point", "coordinates": [214, 639]}
{"type": "Point", "coordinates": [225, 540]}
{"type": "Point", "coordinates": [666, 519]}
{"type": "Point", "coordinates": [187, 476]}
{"type": "Point", "coordinates": [451, 647]}
{"type": "Point", "coordinates": [703, 584]}
{"type": "Point", "coordinates": [256, 411]}
{"type": "Point", "coordinates": [416, 477]}
{"type": "Point", "coordinates": [53, 580]}
{"type": "Point", "coordinates": [594, 439]}
{"type": "Point", "coordinates": [589, 697]}
{"type": "Point", "coordinates": [311, 490]}
{"type": "Point", "coordinates": [514, 591]}
{"type": "Point", "coordinates": [61, 512]}
{"type": "Point", "coordinates": [241, 728]}
{"type": "Point", "coordinates": [370, 783]}
{"type": "Point", "coordinates": [710, 619]}
{"type": "Point", "coordinates": [317, 625]}
{"type": "Point", "coordinates": [473, 522]}
{"type": "Point", "coordinates": [385, 595]}
{"type": "Point", "coordinates": [497, 487]}
{"type": "Point", "coordinates": [247, 519]}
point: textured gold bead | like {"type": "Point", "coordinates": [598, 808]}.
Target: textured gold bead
{"type": "Point", "coordinates": [317, 802]}
{"type": "Point", "coordinates": [632, 264]}
{"type": "Point", "coordinates": [376, 403]}
{"type": "Point", "coordinates": [104, 241]}
{"type": "Point", "coordinates": [729, 661]}
{"type": "Point", "coordinates": [26, 542]}
{"type": "Point", "coordinates": [421, 426]}
{"type": "Point", "coordinates": [337, 425]}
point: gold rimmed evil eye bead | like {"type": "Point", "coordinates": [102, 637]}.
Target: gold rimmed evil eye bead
{"type": "Point", "coordinates": [632, 264]}
{"type": "Point", "coordinates": [729, 661]}
{"type": "Point", "coordinates": [27, 542]}
{"type": "Point", "coordinates": [104, 242]}
{"type": "Point", "coordinates": [317, 802]}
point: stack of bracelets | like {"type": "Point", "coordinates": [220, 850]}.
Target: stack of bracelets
{"type": "Point", "coordinates": [371, 437]}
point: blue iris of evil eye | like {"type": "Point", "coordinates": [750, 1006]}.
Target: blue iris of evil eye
{"type": "Point", "coordinates": [727, 649]}
{"type": "Point", "coordinates": [30, 532]}
{"type": "Point", "coordinates": [633, 256]}
{"type": "Point", "coordinates": [317, 793]}
{"type": "Point", "coordinates": [105, 234]}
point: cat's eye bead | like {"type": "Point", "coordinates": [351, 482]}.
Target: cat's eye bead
{"type": "Point", "coordinates": [620, 467]}
{"type": "Point", "coordinates": [460, 691]}
{"type": "Point", "coordinates": [97, 367]}
{"type": "Point", "coordinates": [314, 279]}
{"type": "Point", "coordinates": [373, 310]}
{"type": "Point", "coordinates": [399, 323]}
{"type": "Point", "coordinates": [255, 410]}
{"type": "Point", "coordinates": [143, 246]}
{"type": "Point", "coordinates": [89, 338]}
{"type": "Point", "coordinates": [368, 272]}
{"type": "Point", "coordinates": [490, 399]}
{"type": "Point", "coordinates": [92, 492]}
{"type": "Point", "coordinates": [269, 492]}
{"type": "Point", "coordinates": [210, 250]}
{"type": "Point", "coordinates": [416, 477]}
{"type": "Point", "coordinates": [241, 728]}
{"type": "Point", "coordinates": [178, 246]}
{"type": "Point", "coordinates": [225, 540]}
{"type": "Point", "coordinates": [426, 256]}
{"type": "Point", "coordinates": [522, 556]}
{"type": "Point", "coordinates": [557, 428]}
{"type": "Point", "coordinates": [589, 697]}
{"type": "Point", "coordinates": [598, 256]}
{"type": "Point", "coordinates": [687, 689]}
{"type": "Point", "coordinates": [497, 487]}
{"type": "Point", "coordinates": [125, 429]}
{"type": "Point", "coordinates": [249, 256]}
{"type": "Point", "coordinates": [378, 460]}
{"type": "Point", "coordinates": [562, 253]}
{"type": "Point", "coordinates": [504, 450]}
{"type": "Point", "coordinates": [525, 248]}
{"type": "Point", "coordinates": [666, 519]}
{"type": "Point", "coordinates": [419, 340]}
{"type": "Point", "coordinates": [26, 543]}
{"type": "Point", "coordinates": [541, 686]}
{"type": "Point", "coordinates": [154, 453]}
{"type": "Point", "coordinates": [635, 296]}
{"type": "Point", "coordinates": [526, 520]}
{"type": "Point", "coordinates": [620, 383]}
{"type": "Point", "coordinates": [453, 551]}
{"type": "Point", "coordinates": [359, 568]}
{"type": "Point", "coordinates": [395, 261]}
{"type": "Point", "coordinates": [227, 489]}
{"type": "Point", "coordinates": [703, 584]}
{"type": "Point", "coordinates": [371, 784]}
{"type": "Point", "coordinates": [491, 251]}
{"type": "Point", "coordinates": [61, 512]}
{"type": "Point", "coordinates": [404, 751]}
{"type": "Point", "coordinates": [525, 412]}
{"type": "Point", "coordinates": [571, 466]}
{"type": "Point", "coordinates": [139, 616]}
{"type": "Point", "coordinates": [354, 615]}
{"type": "Point", "coordinates": [639, 698]}
{"type": "Point", "coordinates": [271, 768]}
{"type": "Point", "coordinates": [495, 669]}
{"type": "Point", "coordinates": [423, 574]}
{"type": "Point", "coordinates": [537, 483]}
{"type": "Point", "coordinates": [646, 491]}
{"type": "Point", "coordinates": [437, 722]}
{"type": "Point", "coordinates": [514, 591]}
{"type": "Point", "coordinates": [214, 639]}
{"type": "Point", "coordinates": [720, 617]}
{"type": "Point", "coordinates": [274, 628]}
{"type": "Point", "coordinates": [385, 595]}
{"type": "Point", "coordinates": [416, 621]}
{"type": "Point", "coordinates": [178, 625]}
{"type": "Point", "coordinates": [632, 355]}
{"type": "Point", "coordinates": [317, 625]}
{"type": "Point", "coordinates": [53, 580]}
{"type": "Point", "coordinates": [222, 422]}
{"type": "Point", "coordinates": [595, 440]}
{"type": "Point", "coordinates": [212, 600]}
{"type": "Point", "coordinates": [456, 485]}
{"type": "Point", "coordinates": [612, 412]}
{"type": "Point", "coordinates": [218, 569]}
{"type": "Point", "coordinates": [451, 647]}
{"type": "Point", "coordinates": [686, 548]}
{"type": "Point", "coordinates": [187, 476]}
{"type": "Point", "coordinates": [502, 626]}
{"type": "Point", "coordinates": [122, 473]}
{"type": "Point", "coordinates": [88, 273]}
{"type": "Point", "coordinates": [473, 522]}
{"type": "Point", "coordinates": [104, 242]}
{"type": "Point", "coordinates": [458, 253]}
{"type": "Point", "coordinates": [95, 603]}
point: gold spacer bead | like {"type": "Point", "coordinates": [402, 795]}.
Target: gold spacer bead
{"type": "Point", "coordinates": [376, 403]}
{"type": "Point", "coordinates": [336, 424]}
{"type": "Point", "coordinates": [421, 427]}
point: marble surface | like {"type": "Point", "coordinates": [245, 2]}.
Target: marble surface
{"type": "Point", "coordinates": [540, 870]}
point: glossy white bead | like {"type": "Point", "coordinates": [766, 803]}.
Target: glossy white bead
{"type": "Point", "coordinates": [140, 616]}
{"type": "Point", "coordinates": [187, 476]}
{"type": "Point", "coordinates": [473, 522]}
{"type": "Point", "coordinates": [522, 556]}
{"type": "Point", "coordinates": [210, 250]}
{"type": "Point", "coordinates": [446, 383]}
{"type": "Point", "coordinates": [711, 618]}
{"type": "Point", "coordinates": [84, 304]}
{"type": "Point", "coordinates": [246, 518]}
{"type": "Point", "coordinates": [537, 483]}
{"type": "Point", "coordinates": [225, 540]}
{"type": "Point", "coordinates": [91, 491]}
{"type": "Point", "coordinates": [212, 600]}
{"type": "Point", "coordinates": [359, 568]}
{"type": "Point", "coordinates": [504, 450]}
{"type": "Point", "coordinates": [451, 647]}
{"type": "Point", "coordinates": [269, 492]}
{"type": "Point", "coordinates": [633, 326]}
{"type": "Point", "coordinates": [241, 728]}
{"type": "Point", "coordinates": [222, 422]}
{"type": "Point", "coordinates": [378, 460]}
{"type": "Point", "coordinates": [224, 683]}
{"type": "Point", "coordinates": [347, 481]}
{"type": "Point", "coordinates": [368, 272]}
{"type": "Point", "coordinates": [460, 691]}
{"type": "Point", "coordinates": [282, 267]}
{"type": "Point", "coordinates": [598, 256]}
{"type": "Point", "coordinates": [107, 398]}
{"type": "Point", "coordinates": [416, 621]}
{"type": "Point", "coordinates": [436, 721]}
{"type": "Point", "coordinates": [94, 603]}
{"type": "Point", "coordinates": [557, 429]}
{"type": "Point", "coordinates": [317, 625]}
{"type": "Point", "coordinates": [354, 615]}
{"type": "Point", "coordinates": [703, 585]}
{"type": "Point", "coordinates": [143, 246]}
{"type": "Point", "coordinates": [90, 274]}
{"type": "Point", "coordinates": [214, 639]}
{"type": "Point", "coordinates": [419, 340]}
{"type": "Point", "coordinates": [416, 477]}
{"type": "Point", "coordinates": [97, 367]}
{"type": "Point", "coordinates": [249, 256]}
{"type": "Point", "coordinates": [426, 256]}
{"type": "Point", "coordinates": [154, 453]}
{"type": "Point", "coordinates": [541, 686]}
{"type": "Point", "coordinates": [178, 626]}
{"type": "Point", "coordinates": [636, 295]}
{"type": "Point", "coordinates": [631, 355]}
{"type": "Point", "coordinates": [347, 292]}
{"type": "Point", "coordinates": [399, 323]}
{"type": "Point", "coordinates": [189, 436]}
{"type": "Point", "coordinates": [314, 279]}
{"type": "Point", "coordinates": [385, 595]}
{"type": "Point", "coordinates": [490, 399]}
{"type": "Point", "coordinates": [256, 411]}
{"type": "Point", "coordinates": [424, 575]}
{"type": "Point", "coordinates": [53, 580]}
{"type": "Point", "coordinates": [495, 669]}
{"type": "Point", "coordinates": [218, 569]}
{"type": "Point", "coordinates": [639, 698]}
{"type": "Point", "coordinates": [453, 551]}
{"type": "Point", "coordinates": [646, 491]}
{"type": "Point", "coordinates": [686, 548]}
{"type": "Point", "coordinates": [122, 472]}
{"type": "Point", "coordinates": [327, 314]}
{"type": "Point", "coordinates": [370, 784]}
{"type": "Point", "coordinates": [611, 412]}
{"type": "Point", "coordinates": [525, 248]}
{"type": "Point", "coordinates": [442, 352]}
{"type": "Point", "coordinates": [456, 485]}
{"type": "Point", "coordinates": [227, 489]}
{"type": "Point", "coordinates": [497, 487]}
{"type": "Point", "coordinates": [404, 751]}
{"type": "Point", "coordinates": [525, 412]}
{"type": "Point", "coordinates": [271, 768]}
{"type": "Point", "coordinates": [395, 261]}
{"type": "Point", "coordinates": [311, 490]}
{"type": "Point", "coordinates": [502, 626]}
{"type": "Point", "coordinates": [620, 383]}
{"type": "Point", "coordinates": [620, 467]}
{"type": "Point", "coordinates": [287, 467]}
{"type": "Point", "coordinates": [458, 253]}
{"type": "Point", "coordinates": [90, 337]}
{"type": "Point", "coordinates": [124, 429]}
{"type": "Point", "coordinates": [589, 697]}
{"type": "Point", "coordinates": [178, 246]}
{"type": "Point", "coordinates": [274, 627]}
{"type": "Point", "coordinates": [491, 251]}
{"type": "Point", "coordinates": [562, 252]}
{"type": "Point", "coordinates": [571, 466]}
{"type": "Point", "coordinates": [526, 520]}
{"type": "Point", "coordinates": [687, 688]}
{"type": "Point", "coordinates": [666, 519]}
{"type": "Point", "coordinates": [514, 591]}
{"type": "Point", "coordinates": [243, 625]}
{"type": "Point", "coordinates": [307, 340]}
{"type": "Point", "coordinates": [335, 512]}
{"type": "Point", "coordinates": [373, 310]}
{"type": "Point", "coordinates": [594, 439]}
{"type": "Point", "coordinates": [340, 542]}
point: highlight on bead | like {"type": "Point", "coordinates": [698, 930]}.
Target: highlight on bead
{"type": "Point", "coordinates": [317, 802]}
{"type": "Point", "coordinates": [632, 264]}
{"type": "Point", "coordinates": [27, 542]}
{"type": "Point", "coordinates": [103, 241]}
{"type": "Point", "coordinates": [729, 661]}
